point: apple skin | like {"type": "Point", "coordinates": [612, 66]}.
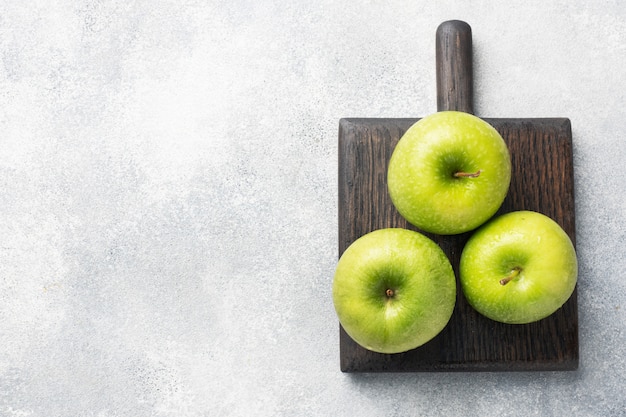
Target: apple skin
{"type": "Point", "coordinates": [529, 246]}
{"type": "Point", "coordinates": [421, 170]}
{"type": "Point", "coordinates": [420, 276]}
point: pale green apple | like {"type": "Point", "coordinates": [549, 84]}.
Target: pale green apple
{"type": "Point", "coordinates": [393, 290]}
{"type": "Point", "coordinates": [518, 268]}
{"type": "Point", "coordinates": [449, 173]}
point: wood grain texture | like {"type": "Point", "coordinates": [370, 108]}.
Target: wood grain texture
{"type": "Point", "coordinates": [454, 67]}
{"type": "Point", "coordinates": [542, 180]}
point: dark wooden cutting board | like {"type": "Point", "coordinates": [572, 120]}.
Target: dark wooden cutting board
{"type": "Point", "coordinates": [542, 180]}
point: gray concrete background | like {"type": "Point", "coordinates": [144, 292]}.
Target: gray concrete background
{"type": "Point", "coordinates": [168, 214]}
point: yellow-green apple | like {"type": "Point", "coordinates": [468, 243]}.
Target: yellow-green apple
{"type": "Point", "coordinates": [449, 173]}
{"type": "Point", "coordinates": [393, 290]}
{"type": "Point", "coordinates": [518, 268]}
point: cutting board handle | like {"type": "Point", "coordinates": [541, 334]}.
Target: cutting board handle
{"type": "Point", "coordinates": [453, 52]}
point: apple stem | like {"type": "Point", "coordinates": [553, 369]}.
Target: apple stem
{"type": "Point", "coordinates": [515, 272]}
{"type": "Point", "coordinates": [462, 174]}
{"type": "Point", "coordinates": [389, 293]}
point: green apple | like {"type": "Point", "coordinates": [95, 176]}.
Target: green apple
{"type": "Point", "coordinates": [449, 173]}
{"type": "Point", "coordinates": [518, 268]}
{"type": "Point", "coordinates": [393, 290]}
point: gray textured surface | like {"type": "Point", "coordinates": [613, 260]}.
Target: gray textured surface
{"type": "Point", "coordinates": [168, 207]}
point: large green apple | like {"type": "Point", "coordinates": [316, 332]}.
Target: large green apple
{"type": "Point", "coordinates": [449, 173]}
{"type": "Point", "coordinates": [393, 290]}
{"type": "Point", "coordinates": [518, 268]}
